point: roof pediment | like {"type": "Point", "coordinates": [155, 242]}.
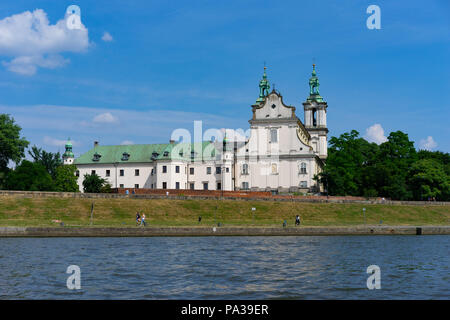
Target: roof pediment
{"type": "Point", "coordinates": [273, 107]}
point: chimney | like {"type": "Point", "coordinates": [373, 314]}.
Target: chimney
{"type": "Point", "coordinates": [95, 144]}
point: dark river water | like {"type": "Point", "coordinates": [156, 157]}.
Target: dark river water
{"type": "Point", "coordinates": [325, 267]}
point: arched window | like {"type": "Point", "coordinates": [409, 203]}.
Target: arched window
{"type": "Point", "coordinates": [314, 117]}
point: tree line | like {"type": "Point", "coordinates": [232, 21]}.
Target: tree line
{"type": "Point", "coordinates": [394, 169]}
{"type": "Point", "coordinates": [45, 172]}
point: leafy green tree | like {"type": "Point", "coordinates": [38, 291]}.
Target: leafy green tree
{"type": "Point", "coordinates": [51, 161]}
{"type": "Point", "coordinates": [29, 176]}
{"type": "Point", "coordinates": [92, 183]}
{"type": "Point", "coordinates": [65, 179]}
{"type": "Point", "coordinates": [106, 188]}
{"type": "Point", "coordinates": [442, 157]}
{"type": "Point", "coordinates": [12, 146]}
{"type": "Point", "coordinates": [392, 166]}
{"type": "Point", "coordinates": [345, 170]}
{"type": "Point", "coordinates": [428, 179]}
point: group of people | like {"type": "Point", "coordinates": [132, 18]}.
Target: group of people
{"type": "Point", "coordinates": [140, 220]}
{"type": "Point", "coordinates": [297, 221]}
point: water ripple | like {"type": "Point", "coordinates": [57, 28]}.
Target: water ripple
{"type": "Point", "coordinates": [226, 267]}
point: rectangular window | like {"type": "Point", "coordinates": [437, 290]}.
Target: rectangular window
{"type": "Point", "coordinates": [108, 173]}
{"type": "Point", "coordinates": [191, 170]}
{"type": "Point", "coordinates": [136, 172]}
{"type": "Point", "coordinates": [303, 184]}
{"type": "Point", "coordinates": [152, 172]}
{"type": "Point", "coordinates": [208, 170]}
{"type": "Point", "coordinates": [219, 186]}
{"type": "Point", "coordinates": [205, 185]}
{"type": "Point", "coordinates": [77, 173]}
{"type": "Point", "coordinates": [122, 172]}
{"type": "Point", "coordinates": [245, 168]}
{"type": "Point", "coordinates": [218, 170]}
{"type": "Point", "coordinates": [191, 186]}
{"type": "Point", "coordinates": [274, 168]}
{"type": "Point", "coordinates": [177, 185]}
{"type": "Point", "coordinates": [228, 170]}
{"type": "Point", "coordinates": [177, 169]}
{"type": "Point", "coordinates": [164, 169]}
{"type": "Point", "coordinates": [273, 135]}
{"type": "Point", "coordinates": [245, 185]}
{"type": "Point", "coordinates": [303, 168]}
{"type": "Point", "coordinates": [136, 186]}
{"type": "Point", "coordinates": [164, 185]}
{"type": "Point", "coordinates": [121, 186]}
{"type": "Point", "coordinates": [93, 172]}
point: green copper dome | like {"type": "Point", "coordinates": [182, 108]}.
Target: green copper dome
{"type": "Point", "coordinates": [68, 153]}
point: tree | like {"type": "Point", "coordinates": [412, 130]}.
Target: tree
{"type": "Point", "coordinates": [12, 146]}
{"type": "Point", "coordinates": [345, 169]}
{"type": "Point", "coordinates": [92, 183]}
{"type": "Point", "coordinates": [51, 161]}
{"type": "Point", "coordinates": [392, 166]}
{"type": "Point", "coordinates": [428, 179]}
{"type": "Point", "coordinates": [65, 179]}
{"type": "Point", "coordinates": [442, 157]}
{"type": "Point", "coordinates": [29, 176]}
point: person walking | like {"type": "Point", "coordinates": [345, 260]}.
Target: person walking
{"type": "Point", "coordinates": [143, 220]}
{"type": "Point", "coordinates": [138, 218]}
{"type": "Point", "coordinates": [297, 220]}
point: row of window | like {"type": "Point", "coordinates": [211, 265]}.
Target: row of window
{"type": "Point", "coordinates": [108, 172]}
{"type": "Point", "coordinates": [274, 167]}
{"type": "Point", "coordinates": [192, 185]}
{"type": "Point", "coordinates": [244, 170]}
{"type": "Point", "coordinates": [245, 185]}
{"type": "Point", "coordinates": [303, 184]}
{"type": "Point", "coordinates": [191, 170]}
{"type": "Point", "coordinates": [136, 186]}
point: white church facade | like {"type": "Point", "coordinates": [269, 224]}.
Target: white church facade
{"type": "Point", "coordinates": [281, 154]}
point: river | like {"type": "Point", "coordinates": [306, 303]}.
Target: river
{"type": "Point", "coordinates": [307, 267]}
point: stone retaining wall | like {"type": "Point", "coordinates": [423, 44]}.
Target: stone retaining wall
{"type": "Point", "coordinates": [319, 199]}
{"type": "Point", "coordinates": [220, 231]}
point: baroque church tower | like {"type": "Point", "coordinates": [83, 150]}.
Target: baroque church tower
{"type": "Point", "coordinates": [315, 109]}
{"type": "Point", "coordinates": [68, 156]}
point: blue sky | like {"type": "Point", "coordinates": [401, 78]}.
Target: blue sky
{"type": "Point", "coordinates": [165, 64]}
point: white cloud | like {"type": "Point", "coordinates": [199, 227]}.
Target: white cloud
{"type": "Point", "coordinates": [427, 144]}
{"type": "Point", "coordinates": [31, 41]}
{"type": "Point", "coordinates": [27, 65]}
{"type": "Point", "coordinates": [127, 142]}
{"type": "Point", "coordinates": [57, 143]}
{"type": "Point", "coordinates": [375, 134]}
{"type": "Point", "coordinates": [106, 117]}
{"type": "Point", "coordinates": [107, 37]}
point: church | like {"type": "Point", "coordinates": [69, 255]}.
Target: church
{"type": "Point", "coordinates": [281, 154]}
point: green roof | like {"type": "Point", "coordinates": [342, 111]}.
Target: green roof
{"type": "Point", "coordinates": [148, 153]}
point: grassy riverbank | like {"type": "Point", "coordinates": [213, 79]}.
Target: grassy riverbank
{"type": "Point", "coordinates": [19, 211]}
